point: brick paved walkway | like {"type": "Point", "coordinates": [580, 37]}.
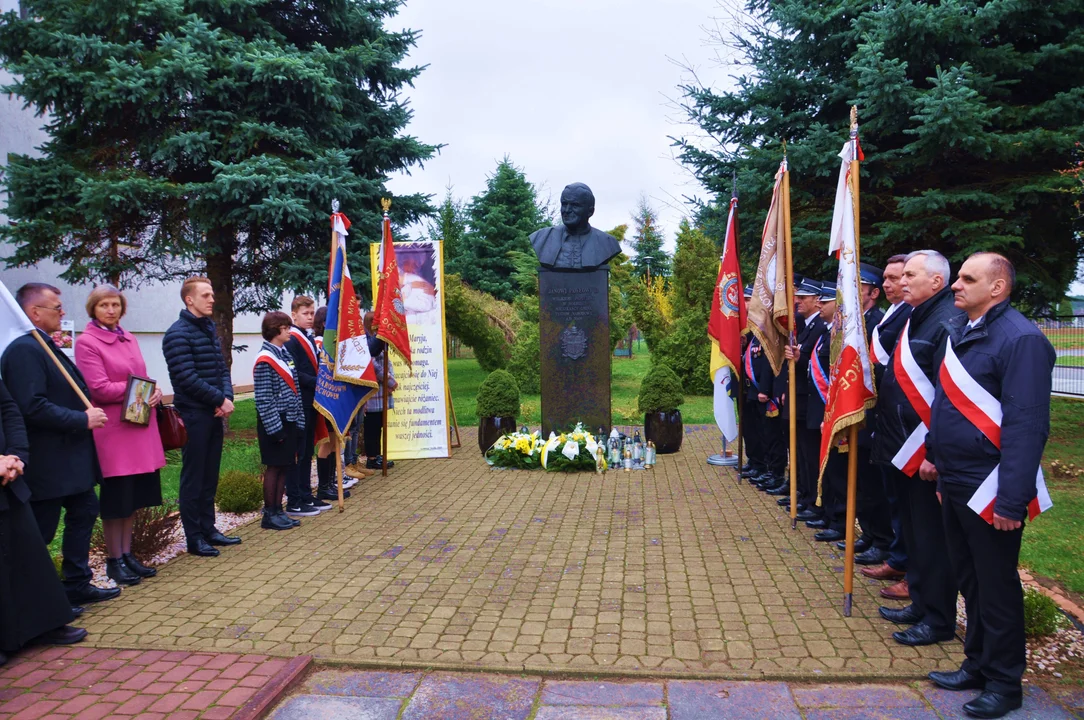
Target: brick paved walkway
{"type": "Point", "coordinates": [468, 696]}
{"type": "Point", "coordinates": [678, 571]}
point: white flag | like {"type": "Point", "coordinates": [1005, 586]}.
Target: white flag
{"type": "Point", "coordinates": [725, 416]}
{"type": "Point", "coordinates": [13, 321]}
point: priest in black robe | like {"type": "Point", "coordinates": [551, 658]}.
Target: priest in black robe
{"type": "Point", "coordinates": [575, 246]}
{"type": "Point", "coordinates": [33, 605]}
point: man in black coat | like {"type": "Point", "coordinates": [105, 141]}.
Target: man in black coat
{"type": "Point", "coordinates": [203, 394]}
{"type": "Point", "coordinates": [63, 464]}
{"type": "Point", "coordinates": [898, 438]}
{"type": "Point", "coordinates": [1000, 378]}
{"type": "Point", "coordinates": [33, 605]}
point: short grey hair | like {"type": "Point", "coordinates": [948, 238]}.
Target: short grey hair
{"type": "Point", "coordinates": [936, 263]}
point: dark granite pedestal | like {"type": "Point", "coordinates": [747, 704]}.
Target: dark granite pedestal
{"type": "Point", "coordinates": [575, 344]}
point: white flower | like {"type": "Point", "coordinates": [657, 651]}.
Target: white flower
{"type": "Point", "coordinates": [571, 450]}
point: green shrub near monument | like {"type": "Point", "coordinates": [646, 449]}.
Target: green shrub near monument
{"type": "Point", "coordinates": [239, 491]}
{"type": "Point", "coordinates": [660, 390]}
{"type": "Point", "coordinates": [498, 396]}
{"type": "Point", "coordinates": [526, 362]}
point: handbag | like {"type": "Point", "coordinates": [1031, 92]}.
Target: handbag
{"type": "Point", "coordinates": [171, 428]}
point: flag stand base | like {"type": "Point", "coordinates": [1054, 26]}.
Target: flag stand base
{"type": "Point", "coordinates": [723, 460]}
{"type": "Point", "coordinates": [847, 605]}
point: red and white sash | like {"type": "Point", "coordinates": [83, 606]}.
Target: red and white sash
{"type": "Point", "coordinates": [919, 392]}
{"type": "Point", "coordinates": [278, 365]}
{"type": "Point", "coordinates": [876, 349]}
{"type": "Point", "coordinates": [305, 343]}
{"type": "Point", "coordinates": [983, 411]}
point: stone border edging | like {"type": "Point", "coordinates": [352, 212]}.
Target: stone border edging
{"type": "Point", "coordinates": [269, 695]}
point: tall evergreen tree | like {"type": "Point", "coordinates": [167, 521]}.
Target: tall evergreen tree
{"type": "Point", "coordinates": [209, 135]}
{"type": "Point", "coordinates": [448, 227]}
{"type": "Point", "coordinates": [969, 109]}
{"type": "Point", "coordinates": [647, 242]}
{"type": "Point", "coordinates": [501, 220]}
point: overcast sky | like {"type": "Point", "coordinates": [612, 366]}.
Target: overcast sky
{"type": "Point", "coordinates": [570, 90]}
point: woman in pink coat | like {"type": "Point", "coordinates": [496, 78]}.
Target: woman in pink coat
{"type": "Point", "coordinates": [130, 454]}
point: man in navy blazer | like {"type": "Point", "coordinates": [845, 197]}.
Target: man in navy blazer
{"type": "Point", "coordinates": [63, 466]}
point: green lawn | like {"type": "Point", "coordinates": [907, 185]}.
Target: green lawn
{"type": "Point", "coordinates": [1065, 338]}
{"type": "Point", "coordinates": [1070, 360]}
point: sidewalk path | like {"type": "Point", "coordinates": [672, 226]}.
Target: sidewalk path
{"type": "Point", "coordinates": [447, 564]}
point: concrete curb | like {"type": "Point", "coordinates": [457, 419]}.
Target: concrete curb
{"type": "Point", "coordinates": [269, 695]}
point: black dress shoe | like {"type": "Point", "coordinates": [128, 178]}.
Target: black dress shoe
{"type": "Point", "coordinates": [781, 489]}
{"type": "Point", "coordinates": [860, 546]}
{"type": "Point", "coordinates": [872, 556]}
{"type": "Point", "coordinates": [959, 680]}
{"type": "Point", "coordinates": [829, 535]}
{"type": "Point", "coordinates": [92, 594]}
{"type": "Point", "coordinates": [901, 616]}
{"type": "Point", "coordinates": [118, 572]}
{"type": "Point", "coordinates": [199, 546]}
{"type": "Point", "coordinates": [63, 635]}
{"type": "Point", "coordinates": [808, 514]}
{"type": "Point", "coordinates": [818, 524]}
{"type": "Point", "coordinates": [3, 659]}
{"type": "Point", "coordinates": [78, 610]}
{"type": "Point", "coordinates": [137, 567]}
{"type": "Point", "coordinates": [217, 538]}
{"type": "Point", "coordinates": [921, 634]}
{"type": "Point", "coordinates": [993, 705]}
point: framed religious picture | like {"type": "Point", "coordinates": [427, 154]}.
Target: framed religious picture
{"type": "Point", "coordinates": [137, 400]}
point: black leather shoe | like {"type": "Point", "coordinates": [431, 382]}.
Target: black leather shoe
{"type": "Point", "coordinates": [92, 594]}
{"type": "Point", "coordinates": [200, 547]}
{"type": "Point", "coordinates": [764, 478]}
{"type": "Point", "coordinates": [993, 705]}
{"type": "Point", "coordinates": [860, 546]}
{"type": "Point", "coordinates": [828, 535]}
{"type": "Point", "coordinates": [332, 495]}
{"type": "Point", "coordinates": [378, 462]}
{"type": "Point", "coordinates": [959, 680]}
{"type": "Point", "coordinates": [3, 659]}
{"type": "Point", "coordinates": [901, 616]}
{"type": "Point", "coordinates": [750, 472]}
{"type": "Point", "coordinates": [118, 572]}
{"type": "Point", "coordinates": [78, 610]}
{"type": "Point", "coordinates": [921, 634]}
{"type": "Point", "coordinates": [63, 635]}
{"type": "Point", "coordinates": [782, 489]}
{"type": "Point", "coordinates": [808, 514]}
{"type": "Point", "coordinates": [217, 538]}
{"type": "Point", "coordinates": [137, 567]}
{"type": "Point", "coordinates": [872, 556]}
{"type": "Point", "coordinates": [819, 524]}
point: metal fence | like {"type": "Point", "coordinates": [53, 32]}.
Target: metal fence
{"type": "Point", "coordinates": [1066, 333]}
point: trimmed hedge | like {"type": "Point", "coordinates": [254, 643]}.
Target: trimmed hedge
{"type": "Point", "coordinates": [498, 395]}
{"type": "Point", "coordinates": [660, 390]}
{"type": "Point", "coordinates": [239, 491]}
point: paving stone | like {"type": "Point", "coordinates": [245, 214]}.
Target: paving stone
{"type": "Point", "coordinates": [700, 700]}
{"type": "Point", "coordinates": [317, 707]}
{"type": "Point", "coordinates": [600, 693]}
{"type": "Point", "coordinates": [845, 696]}
{"type": "Point", "coordinates": [873, 713]}
{"type": "Point", "coordinates": [587, 712]}
{"type": "Point", "coordinates": [364, 684]}
{"type": "Point", "coordinates": [472, 697]}
{"type": "Point", "coordinates": [1038, 705]}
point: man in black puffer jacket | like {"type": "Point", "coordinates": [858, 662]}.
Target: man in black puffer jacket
{"type": "Point", "coordinates": [203, 394]}
{"type": "Point", "coordinates": [898, 443]}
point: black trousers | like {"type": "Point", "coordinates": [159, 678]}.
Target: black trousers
{"type": "Point", "coordinates": [809, 451]}
{"type": "Point", "coordinates": [897, 551]}
{"type": "Point", "coordinates": [834, 491]}
{"type": "Point", "coordinates": [985, 561]}
{"type": "Point", "coordinates": [776, 443]}
{"type": "Point", "coordinates": [752, 432]}
{"type": "Point", "coordinates": [874, 516]}
{"type": "Point", "coordinates": [80, 512]}
{"type": "Point", "coordinates": [299, 482]}
{"type": "Point", "coordinates": [930, 579]}
{"type": "Point", "coordinates": [200, 461]}
{"type": "Point", "coordinates": [374, 425]}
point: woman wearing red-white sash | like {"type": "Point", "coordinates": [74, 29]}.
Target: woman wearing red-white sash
{"type": "Point", "coordinates": [989, 423]}
{"type": "Point", "coordinates": [280, 417]}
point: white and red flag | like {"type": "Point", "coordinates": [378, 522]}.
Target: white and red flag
{"type": "Point", "coordinates": [767, 311]}
{"type": "Point", "coordinates": [850, 391]}
{"type": "Point", "coordinates": [13, 321]}
{"type": "Point", "coordinates": [983, 411]}
{"type": "Point", "coordinates": [725, 326]}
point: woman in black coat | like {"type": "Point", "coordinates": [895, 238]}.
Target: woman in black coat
{"type": "Point", "coordinates": [33, 605]}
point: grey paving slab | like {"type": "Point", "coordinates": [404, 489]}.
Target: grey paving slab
{"type": "Point", "coordinates": [602, 693]}
{"type": "Point", "coordinates": [845, 696]}
{"type": "Point", "coordinates": [699, 700]}
{"type": "Point", "coordinates": [472, 697]}
{"type": "Point", "coordinates": [587, 712]}
{"type": "Point", "coordinates": [318, 707]}
{"type": "Point", "coordinates": [363, 683]}
{"type": "Point", "coordinates": [873, 713]}
{"type": "Point", "coordinates": [1072, 698]}
{"type": "Point", "coordinates": [1038, 705]}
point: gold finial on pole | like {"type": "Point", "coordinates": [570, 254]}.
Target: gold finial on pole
{"type": "Point", "coordinates": [386, 204]}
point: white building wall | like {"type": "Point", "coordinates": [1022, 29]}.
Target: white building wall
{"type": "Point", "coordinates": [151, 308]}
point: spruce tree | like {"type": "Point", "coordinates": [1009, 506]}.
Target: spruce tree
{"type": "Point", "coordinates": [647, 242]}
{"type": "Point", "coordinates": [969, 110]}
{"type": "Point", "coordinates": [210, 135]}
{"type": "Point", "coordinates": [448, 227]}
{"type": "Point", "coordinates": [501, 220]}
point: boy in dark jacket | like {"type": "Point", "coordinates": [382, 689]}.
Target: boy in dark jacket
{"type": "Point", "coordinates": [203, 394]}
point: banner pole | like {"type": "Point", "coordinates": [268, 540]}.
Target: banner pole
{"type": "Point", "coordinates": [384, 420]}
{"type": "Point", "coordinates": [792, 409]}
{"type": "Point", "coordinates": [741, 418]}
{"type": "Point", "coordinates": [63, 370]}
{"type": "Point", "coordinates": [337, 445]}
{"type": "Point", "coordinates": [852, 438]}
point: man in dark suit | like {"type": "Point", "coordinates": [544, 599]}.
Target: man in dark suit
{"type": "Point", "coordinates": [33, 605]}
{"type": "Point", "coordinates": [63, 465]}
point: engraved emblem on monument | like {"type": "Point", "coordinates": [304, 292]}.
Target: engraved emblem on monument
{"type": "Point", "coordinates": [573, 342]}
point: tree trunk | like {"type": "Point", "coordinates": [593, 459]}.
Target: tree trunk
{"type": "Point", "coordinates": [221, 244]}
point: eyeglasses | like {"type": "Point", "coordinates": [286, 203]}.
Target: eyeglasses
{"type": "Point", "coordinates": [57, 308]}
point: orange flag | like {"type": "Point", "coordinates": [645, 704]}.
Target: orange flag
{"type": "Point", "coordinates": [389, 313]}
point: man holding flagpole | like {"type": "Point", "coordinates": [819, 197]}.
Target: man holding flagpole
{"type": "Point", "coordinates": [988, 426]}
{"type": "Point", "coordinates": [726, 324]}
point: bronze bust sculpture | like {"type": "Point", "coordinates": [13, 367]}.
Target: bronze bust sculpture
{"type": "Point", "coordinates": [574, 245]}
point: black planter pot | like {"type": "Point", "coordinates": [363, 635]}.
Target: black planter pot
{"type": "Point", "coordinates": [665, 430]}
{"type": "Point", "coordinates": [491, 428]}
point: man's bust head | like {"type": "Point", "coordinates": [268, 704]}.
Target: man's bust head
{"type": "Point", "coordinates": [575, 245]}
